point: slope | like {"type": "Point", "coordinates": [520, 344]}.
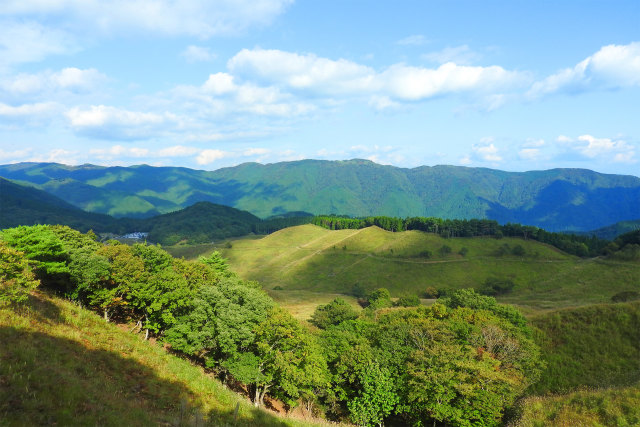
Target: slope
{"type": "Point", "coordinates": [64, 365]}
{"type": "Point", "coordinates": [313, 259]}
{"type": "Point", "coordinates": [557, 200]}
{"type": "Point", "coordinates": [23, 205]}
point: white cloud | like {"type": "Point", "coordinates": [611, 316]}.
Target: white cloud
{"type": "Point", "coordinates": [24, 41]}
{"type": "Point", "coordinates": [198, 54]}
{"type": "Point", "coordinates": [605, 149]}
{"type": "Point", "coordinates": [306, 72]}
{"type": "Point", "coordinates": [529, 153]}
{"type": "Point", "coordinates": [68, 79]}
{"type": "Point", "coordinates": [462, 55]}
{"type": "Point", "coordinates": [200, 18]}
{"type": "Point", "coordinates": [26, 110]}
{"type": "Point", "coordinates": [414, 40]}
{"type": "Point", "coordinates": [15, 155]}
{"type": "Point", "coordinates": [108, 122]}
{"type": "Point", "coordinates": [211, 155]}
{"type": "Point", "coordinates": [343, 77]}
{"type": "Point", "coordinates": [255, 152]}
{"type": "Point", "coordinates": [57, 155]}
{"type": "Point", "coordinates": [177, 151]}
{"type": "Point", "coordinates": [465, 161]}
{"type": "Point", "coordinates": [486, 152]}
{"type": "Point", "coordinates": [612, 67]}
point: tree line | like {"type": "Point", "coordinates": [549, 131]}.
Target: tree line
{"type": "Point", "coordinates": [582, 246]}
{"type": "Point", "coordinates": [463, 361]}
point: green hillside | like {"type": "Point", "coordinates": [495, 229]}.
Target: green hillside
{"type": "Point", "coordinates": [315, 260]}
{"type": "Point", "coordinates": [202, 222]}
{"type": "Point", "coordinates": [610, 232]}
{"type": "Point", "coordinates": [556, 200]}
{"type": "Point", "coordinates": [23, 205]}
{"type": "Point", "coordinates": [63, 365]}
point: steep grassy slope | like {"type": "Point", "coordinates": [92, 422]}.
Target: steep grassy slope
{"type": "Point", "coordinates": [595, 346]}
{"type": "Point", "coordinates": [559, 199]}
{"type": "Point", "coordinates": [62, 365]}
{"type": "Point", "coordinates": [310, 258]}
{"type": "Point", "coordinates": [619, 406]}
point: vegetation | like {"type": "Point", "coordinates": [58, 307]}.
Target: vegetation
{"type": "Point", "coordinates": [594, 346]}
{"type": "Point", "coordinates": [546, 199]}
{"type": "Point", "coordinates": [64, 365]}
{"type": "Point", "coordinates": [464, 361]}
{"type": "Point", "coordinates": [307, 260]}
{"type": "Point", "coordinates": [618, 406]}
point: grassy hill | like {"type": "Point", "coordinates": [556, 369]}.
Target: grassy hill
{"type": "Point", "coordinates": [556, 200]}
{"type": "Point", "coordinates": [610, 232]}
{"type": "Point", "coordinates": [63, 365]}
{"type": "Point", "coordinates": [311, 259]}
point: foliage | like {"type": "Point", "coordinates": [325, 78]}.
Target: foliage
{"type": "Point", "coordinates": [626, 296]}
{"type": "Point", "coordinates": [380, 298]}
{"type": "Point", "coordinates": [407, 301]}
{"type": "Point", "coordinates": [334, 313]}
{"type": "Point", "coordinates": [495, 286]}
{"type": "Point", "coordinates": [16, 278]}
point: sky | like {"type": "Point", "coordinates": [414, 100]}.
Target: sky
{"type": "Point", "coordinates": [205, 84]}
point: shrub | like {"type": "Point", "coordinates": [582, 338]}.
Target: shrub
{"type": "Point", "coordinates": [407, 301]}
{"type": "Point", "coordinates": [463, 251]}
{"type": "Point", "coordinates": [431, 292]}
{"type": "Point", "coordinates": [495, 286]}
{"type": "Point", "coordinates": [625, 296]}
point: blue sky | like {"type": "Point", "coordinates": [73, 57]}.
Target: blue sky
{"type": "Point", "coordinates": [511, 85]}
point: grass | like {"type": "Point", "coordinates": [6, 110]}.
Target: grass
{"type": "Point", "coordinates": [63, 365]}
{"type": "Point", "coordinates": [618, 406]}
{"type": "Point", "coordinates": [313, 259]}
{"type": "Point", "coordinates": [594, 346]}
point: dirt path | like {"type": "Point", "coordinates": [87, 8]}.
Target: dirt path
{"type": "Point", "coordinates": [324, 248]}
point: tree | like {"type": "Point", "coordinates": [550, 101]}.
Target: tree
{"type": "Point", "coordinates": [16, 278]}
{"type": "Point", "coordinates": [217, 263]}
{"type": "Point", "coordinates": [290, 361]}
{"type": "Point", "coordinates": [376, 396]}
{"type": "Point", "coordinates": [334, 313]}
{"type": "Point", "coordinates": [380, 298]}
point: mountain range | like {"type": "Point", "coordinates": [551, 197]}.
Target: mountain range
{"type": "Point", "coordinates": [557, 199]}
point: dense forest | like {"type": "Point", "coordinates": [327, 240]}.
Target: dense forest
{"type": "Point", "coordinates": [463, 361]}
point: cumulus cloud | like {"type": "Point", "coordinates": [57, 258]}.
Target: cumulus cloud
{"type": "Point", "coordinates": [198, 54]}
{"type": "Point", "coordinates": [612, 67]}
{"type": "Point", "coordinates": [211, 155]}
{"type": "Point", "coordinates": [108, 122]}
{"type": "Point", "coordinates": [607, 149]}
{"type": "Point", "coordinates": [343, 77]}
{"type": "Point", "coordinates": [177, 151]}
{"type": "Point", "coordinates": [486, 152]}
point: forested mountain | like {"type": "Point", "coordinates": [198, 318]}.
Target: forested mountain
{"type": "Point", "coordinates": [557, 200]}
{"type": "Point", "coordinates": [199, 223]}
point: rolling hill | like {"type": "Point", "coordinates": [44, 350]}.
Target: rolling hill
{"type": "Point", "coordinates": [311, 260]}
{"type": "Point", "coordinates": [556, 200]}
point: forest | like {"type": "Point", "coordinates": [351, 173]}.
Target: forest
{"type": "Point", "coordinates": [462, 361]}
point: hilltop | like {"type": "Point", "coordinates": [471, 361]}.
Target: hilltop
{"type": "Point", "coordinates": [556, 200]}
{"type": "Point", "coordinates": [311, 260]}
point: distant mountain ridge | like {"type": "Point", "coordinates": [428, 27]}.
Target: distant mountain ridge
{"type": "Point", "coordinates": [557, 199]}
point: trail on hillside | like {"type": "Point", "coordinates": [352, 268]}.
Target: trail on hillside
{"type": "Point", "coordinates": [324, 248]}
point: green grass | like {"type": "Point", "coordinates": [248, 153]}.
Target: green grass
{"type": "Point", "coordinates": [594, 346]}
{"type": "Point", "coordinates": [63, 365]}
{"type": "Point", "coordinates": [618, 406]}
{"type": "Point", "coordinates": [317, 260]}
